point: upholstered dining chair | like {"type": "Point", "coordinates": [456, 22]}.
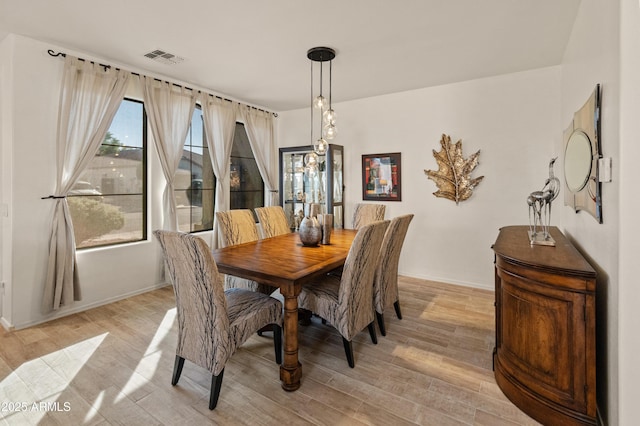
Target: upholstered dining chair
{"type": "Point", "coordinates": [212, 322]}
{"type": "Point", "coordinates": [273, 221]}
{"type": "Point", "coordinates": [346, 301]}
{"type": "Point", "coordinates": [236, 227]}
{"type": "Point", "coordinates": [385, 284]}
{"type": "Point", "coordinates": [367, 213]}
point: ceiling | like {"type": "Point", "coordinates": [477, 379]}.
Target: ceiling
{"type": "Point", "coordinates": [255, 50]}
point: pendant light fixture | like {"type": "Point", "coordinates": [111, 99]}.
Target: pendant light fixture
{"type": "Point", "coordinates": [320, 106]}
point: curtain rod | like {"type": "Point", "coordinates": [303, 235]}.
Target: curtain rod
{"type": "Point", "coordinates": [64, 55]}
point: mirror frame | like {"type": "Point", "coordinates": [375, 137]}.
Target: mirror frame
{"type": "Point", "coordinates": [586, 121]}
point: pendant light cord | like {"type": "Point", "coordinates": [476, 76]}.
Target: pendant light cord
{"type": "Point", "coordinates": [311, 105]}
{"type": "Point", "coordinates": [330, 78]}
{"type": "Point", "coordinates": [321, 108]}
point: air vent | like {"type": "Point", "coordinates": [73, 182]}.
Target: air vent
{"type": "Point", "coordinates": [164, 57]}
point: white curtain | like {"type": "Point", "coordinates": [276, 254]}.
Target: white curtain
{"type": "Point", "coordinates": [169, 111]}
{"type": "Point", "coordinates": [90, 97]}
{"type": "Point", "coordinates": [260, 129]}
{"type": "Point", "coordinates": [219, 118]}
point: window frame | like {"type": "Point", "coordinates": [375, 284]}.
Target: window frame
{"type": "Point", "coordinates": [145, 182]}
{"type": "Point", "coordinates": [214, 179]}
{"type": "Point", "coordinates": [262, 191]}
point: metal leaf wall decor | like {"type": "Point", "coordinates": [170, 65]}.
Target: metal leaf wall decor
{"type": "Point", "coordinates": [453, 177]}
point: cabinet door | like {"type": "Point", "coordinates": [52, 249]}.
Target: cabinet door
{"type": "Point", "coordinates": [335, 191]}
{"type": "Point", "coordinates": [321, 187]}
{"type": "Point", "coordinates": [542, 339]}
{"type": "Point", "coordinates": [292, 184]}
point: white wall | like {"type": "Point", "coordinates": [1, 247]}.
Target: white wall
{"type": "Point", "coordinates": [6, 128]}
{"type": "Point", "coordinates": [28, 137]}
{"type": "Point", "coordinates": [511, 119]}
{"type": "Point", "coordinates": [592, 56]}
{"type": "Point", "coordinates": [516, 121]}
{"type": "Point", "coordinates": [628, 390]}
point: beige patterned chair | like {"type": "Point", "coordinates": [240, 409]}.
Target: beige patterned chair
{"type": "Point", "coordinates": [212, 322]}
{"type": "Point", "coordinates": [346, 301]}
{"type": "Point", "coordinates": [237, 227]}
{"type": "Point", "coordinates": [273, 221]}
{"type": "Point", "coordinates": [367, 213]}
{"type": "Point", "coordinates": [385, 284]}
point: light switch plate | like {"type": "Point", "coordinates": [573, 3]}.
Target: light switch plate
{"type": "Point", "coordinates": [604, 169]}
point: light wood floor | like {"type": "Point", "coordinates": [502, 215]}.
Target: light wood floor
{"type": "Point", "coordinates": [113, 364]}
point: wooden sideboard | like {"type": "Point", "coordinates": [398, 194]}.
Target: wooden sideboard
{"type": "Point", "coordinates": [544, 359]}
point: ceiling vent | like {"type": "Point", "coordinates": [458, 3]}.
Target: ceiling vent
{"type": "Point", "coordinates": [164, 57]}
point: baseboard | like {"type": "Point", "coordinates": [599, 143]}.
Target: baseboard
{"type": "Point", "coordinates": [490, 287]}
{"type": "Point", "coordinates": [96, 304]}
{"type": "Point", "coordinates": [6, 324]}
{"type": "Point", "coordinates": [600, 420]}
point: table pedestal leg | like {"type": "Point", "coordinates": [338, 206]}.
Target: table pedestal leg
{"type": "Point", "coordinates": [291, 369]}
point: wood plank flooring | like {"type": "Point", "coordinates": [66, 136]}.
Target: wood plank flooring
{"type": "Point", "coordinates": [112, 366]}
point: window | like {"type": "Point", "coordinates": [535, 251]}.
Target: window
{"type": "Point", "coordinates": [108, 202]}
{"type": "Point", "coordinates": [247, 186]}
{"type": "Point", "coordinates": [194, 181]}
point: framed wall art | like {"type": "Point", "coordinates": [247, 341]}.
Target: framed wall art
{"type": "Point", "coordinates": [381, 177]}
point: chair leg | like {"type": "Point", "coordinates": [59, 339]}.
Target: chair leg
{"type": "Point", "coordinates": [265, 328]}
{"type": "Point", "coordinates": [348, 350]}
{"type": "Point", "coordinates": [277, 342]}
{"type": "Point", "coordinates": [396, 305]}
{"type": "Point", "coordinates": [304, 316]}
{"type": "Point", "coordinates": [216, 383]}
{"type": "Point", "coordinates": [372, 332]}
{"type": "Point", "coordinates": [177, 370]}
{"type": "Point", "coordinates": [380, 318]}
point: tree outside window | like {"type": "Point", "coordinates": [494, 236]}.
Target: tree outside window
{"type": "Point", "coordinates": [108, 202]}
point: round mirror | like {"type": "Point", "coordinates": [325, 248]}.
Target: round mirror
{"type": "Point", "coordinates": [577, 161]}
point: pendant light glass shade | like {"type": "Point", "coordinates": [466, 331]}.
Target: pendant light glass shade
{"type": "Point", "coordinates": [311, 159]}
{"type": "Point", "coordinates": [321, 146]}
{"type": "Point", "coordinates": [327, 116]}
{"type": "Point", "coordinates": [319, 102]}
{"type": "Point", "coordinates": [311, 164]}
{"type": "Point", "coordinates": [330, 131]}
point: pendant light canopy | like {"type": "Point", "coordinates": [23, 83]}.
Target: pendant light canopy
{"type": "Point", "coordinates": [320, 105]}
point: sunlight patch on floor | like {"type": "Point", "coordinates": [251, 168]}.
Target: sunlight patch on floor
{"type": "Point", "coordinates": [37, 384]}
{"type": "Point", "coordinates": [411, 353]}
{"type": "Point", "coordinates": [148, 364]}
{"type": "Point", "coordinates": [164, 329]}
{"type": "Point", "coordinates": [95, 407]}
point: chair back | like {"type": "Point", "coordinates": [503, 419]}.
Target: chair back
{"type": "Point", "coordinates": [356, 285]}
{"type": "Point", "coordinates": [203, 322]}
{"type": "Point", "coordinates": [273, 221]}
{"type": "Point", "coordinates": [237, 227]}
{"type": "Point", "coordinates": [365, 214]}
{"type": "Point", "coordinates": [385, 285]}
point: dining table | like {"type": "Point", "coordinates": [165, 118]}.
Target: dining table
{"type": "Point", "coordinates": [284, 262]}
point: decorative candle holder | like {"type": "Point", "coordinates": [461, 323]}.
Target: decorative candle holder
{"type": "Point", "coordinates": [326, 222]}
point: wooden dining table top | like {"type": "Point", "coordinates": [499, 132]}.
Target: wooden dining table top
{"type": "Point", "coordinates": [284, 260]}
